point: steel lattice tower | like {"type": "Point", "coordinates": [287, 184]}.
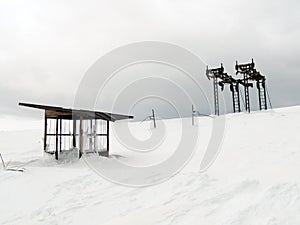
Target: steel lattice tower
{"type": "Point", "coordinates": [251, 74]}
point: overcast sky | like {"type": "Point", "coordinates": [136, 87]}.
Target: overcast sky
{"type": "Point", "coordinates": [47, 46]}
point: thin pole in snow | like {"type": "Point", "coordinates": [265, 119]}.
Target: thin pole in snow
{"type": "Point", "coordinates": [193, 114]}
{"type": "Point", "coordinates": [153, 118]}
{"type": "Point", "coordinates": [3, 164]}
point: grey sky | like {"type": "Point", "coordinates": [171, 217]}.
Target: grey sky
{"type": "Point", "coordinates": [47, 46]}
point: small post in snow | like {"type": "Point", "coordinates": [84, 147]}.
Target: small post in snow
{"type": "Point", "coordinates": [3, 164]}
{"type": "Point", "coordinates": [193, 116]}
{"type": "Point", "coordinates": [153, 118]}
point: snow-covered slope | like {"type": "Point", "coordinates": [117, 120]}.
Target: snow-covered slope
{"type": "Point", "coordinates": [254, 180]}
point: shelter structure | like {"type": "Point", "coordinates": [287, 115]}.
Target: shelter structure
{"type": "Point", "coordinates": [76, 131]}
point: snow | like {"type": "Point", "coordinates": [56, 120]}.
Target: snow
{"type": "Point", "coordinates": [255, 178]}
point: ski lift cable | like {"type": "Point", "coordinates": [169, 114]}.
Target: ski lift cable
{"type": "Point", "coordinates": [206, 115]}
{"type": "Point", "coordinates": [148, 117]}
{"type": "Point", "coordinates": [197, 113]}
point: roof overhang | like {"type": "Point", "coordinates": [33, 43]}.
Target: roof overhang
{"type": "Point", "coordinates": [65, 113]}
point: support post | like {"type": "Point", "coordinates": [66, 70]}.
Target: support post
{"type": "Point", "coordinates": [80, 138]}
{"type": "Point", "coordinates": [107, 137]}
{"type": "Point", "coordinates": [193, 122]}
{"type": "Point", "coordinates": [95, 135]}
{"type": "Point", "coordinates": [60, 132]}
{"type": "Point", "coordinates": [91, 135]}
{"type": "Point", "coordinates": [45, 133]}
{"type": "Point", "coordinates": [56, 138]}
{"type": "Point", "coordinates": [153, 116]}
{"type": "Point", "coordinates": [74, 133]}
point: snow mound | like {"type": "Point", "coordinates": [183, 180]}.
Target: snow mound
{"type": "Point", "coordinates": [254, 180]}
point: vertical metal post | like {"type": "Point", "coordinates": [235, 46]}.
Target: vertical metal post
{"type": "Point", "coordinates": [74, 133]}
{"type": "Point", "coordinates": [107, 137]}
{"type": "Point", "coordinates": [80, 138]}
{"type": "Point", "coordinates": [45, 133]}
{"type": "Point", "coordinates": [193, 122]}
{"type": "Point", "coordinates": [91, 135]}
{"type": "Point", "coordinates": [56, 139]}
{"type": "Point", "coordinates": [95, 135]}
{"type": "Point", "coordinates": [153, 117]}
{"type": "Point", "coordinates": [60, 132]}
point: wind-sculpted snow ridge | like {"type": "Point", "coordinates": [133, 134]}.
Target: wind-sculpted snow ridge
{"type": "Point", "coordinates": [255, 179]}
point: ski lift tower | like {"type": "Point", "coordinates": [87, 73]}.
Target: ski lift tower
{"type": "Point", "coordinates": [251, 74]}
{"type": "Point", "coordinates": [245, 70]}
{"type": "Point", "coordinates": [216, 74]}
{"type": "Point", "coordinates": [261, 88]}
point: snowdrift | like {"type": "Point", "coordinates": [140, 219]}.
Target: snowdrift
{"type": "Point", "coordinates": [254, 179]}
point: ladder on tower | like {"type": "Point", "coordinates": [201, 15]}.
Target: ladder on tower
{"type": "Point", "coordinates": [261, 88]}
{"type": "Point", "coordinates": [216, 96]}
{"type": "Point", "coordinates": [235, 98]}
{"type": "Point", "coordinates": [246, 88]}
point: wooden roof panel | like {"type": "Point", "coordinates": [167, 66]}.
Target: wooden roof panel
{"type": "Point", "coordinates": [60, 111]}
